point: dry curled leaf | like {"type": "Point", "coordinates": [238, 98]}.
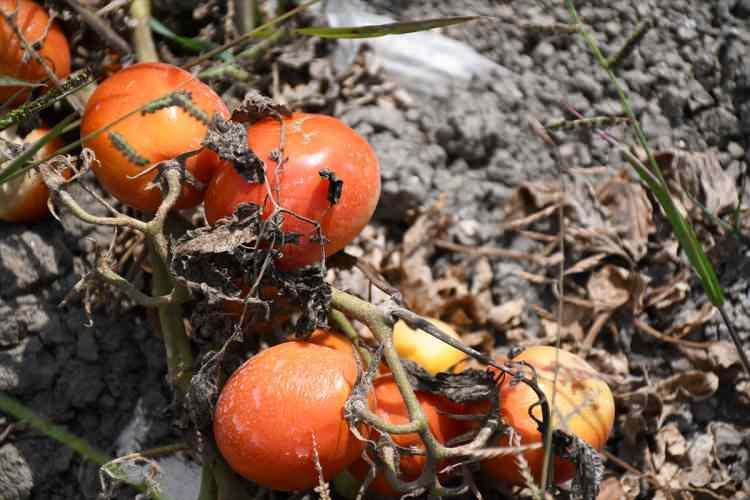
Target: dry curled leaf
{"type": "Point", "coordinates": [609, 288]}
{"type": "Point", "coordinates": [698, 182]}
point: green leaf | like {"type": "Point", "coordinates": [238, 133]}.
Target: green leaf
{"type": "Point", "coordinates": [194, 44]}
{"type": "Point", "coordinates": [9, 81]}
{"type": "Point", "coordinates": [377, 30]}
{"type": "Point", "coordinates": [18, 165]}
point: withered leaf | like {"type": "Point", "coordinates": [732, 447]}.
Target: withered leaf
{"type": "Point", "coordinates": [335, 186]}
{"type": "Point", "coordinates": [256, 106]}
{"type": "Point", "coordinates": [469, 385]}
{"type": "Point", "coordinates": [229, 140]}
{"type": "Point", "coordinates": [694, 384]}
{"type": "Point", "coordinates": [698, 177]}
{"type": "Point", "coordinates": [609, 287]}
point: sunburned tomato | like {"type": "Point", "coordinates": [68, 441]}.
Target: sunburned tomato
{"type": "Point", "coordinates": [313, 145]}
{"type": "Point", "coordinates": [427, 351]}
{"type": "Point", "coordinates": [280, 408]}
{"type": "Point", "coordinates": [24, 198]}
{"type": "Point", "coordinates": [583, 406]}
{"type": "Point", "coordinates": [34, 24]}
{"type": "Point", "coordinates": [142, 139]}
{"type": "Point", "coordinates": [389, 405]}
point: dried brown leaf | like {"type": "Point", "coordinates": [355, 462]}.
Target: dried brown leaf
{"type": "Point", "coordinates": [631, 212]}
{"type": "Point", "coordinates": [698, 177]}
{"type": "Point", "coordinates": [609, 288]}
{"type": "Point", "coordinates": [611, 489]}
{"type": "Point", "coordinates": [694, 385]}
{"type": "Point", "coordinates": [670, 444]}
{"type": "Point", "coordinates": [696, 318]}
{"type": "Point", "coordinates": [508, 314]}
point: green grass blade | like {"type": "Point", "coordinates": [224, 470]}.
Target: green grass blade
{"type": "Point", "coordinates": [194, 44]}
{"type": "Point", "coordinates": [18, 411]}
{"type": "Point", "coordinates": [9, 81]}
{"type": "Point", "coordinates": [16, 166]}
{"type": "Point", "coordinates": [378, 30]}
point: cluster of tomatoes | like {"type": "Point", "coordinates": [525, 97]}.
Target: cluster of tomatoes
{"type": "Point", "coordinates": [279, 420]}
{"type": "Point", "coordinates": [281, 414]}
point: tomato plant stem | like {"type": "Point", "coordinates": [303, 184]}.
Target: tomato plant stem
{"type": "Point", "coordinates": [143, 41]}
{"type": "Point", "coordinates": [176, 342]}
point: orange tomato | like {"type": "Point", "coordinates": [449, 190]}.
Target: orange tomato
{"type": "Point", "coordinates": [24, 198]}
{"type": "Point", "coordinates": [313, 143]}
{"type": "Point", "coordinates": [33, 22]}
{"type": "Point", "coordinates": [150, 137]}
{"type": "Point", "coordinates": [332, 339]}
{"type": "Point", "coordinates": [582, 398]}
{"type": "Point", "coordinates": [390, 406]}
{"type": "Point", "coordinates": [279, 315]}
{"type": "Point", "coordinates": [280, 402]}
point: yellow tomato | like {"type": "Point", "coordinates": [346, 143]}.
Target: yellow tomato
{"type": "Point", "coordinates": [430, 353]}
{"type": "Point", "coordinates": [582, 398]}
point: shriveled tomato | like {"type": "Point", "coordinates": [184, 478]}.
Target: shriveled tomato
{"type": "Point", "coordinates": [279, 406]}
{"type": "Point", "coordinates": [389, 405]}
{"type": "Point", "coordinates": [313, 145]}
{"type": "Point", "coordinates": [34, 24]}
{"type": "Point", "coordinates": [24, 198]}
{"type": "Point", "coordinates": [142, 139]}
{"type": "Point", "coordinates": [582, 399]}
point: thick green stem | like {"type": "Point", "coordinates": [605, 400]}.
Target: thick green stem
{"type": "Point", "coordinates": [381, 326]}
{"type": "Point", "coordinates": [176, 342]}
{"type": "Point", "coordinates": [342, 323]}
{"type": "Point", "coordinates": [208, 484]}
{"type": "Point", "coordinates": [143, 41]}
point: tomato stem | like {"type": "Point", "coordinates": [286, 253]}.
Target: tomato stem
{"type": "Point", "coordinates": [143, 41]}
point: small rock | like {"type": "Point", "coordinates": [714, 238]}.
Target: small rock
{"type": "Point", "coordinates": [15, 474]}
{"type": "Point", "coordinates": [27, 367]}
{"type": "Point", "coordinates": [673, 103]}
{"type": "Point", "coordinates": [588, 85]}
{"type": "Point", "coordinates": [87, 349]}
{"type": "Point", "coordinates": [742, 9]}
{"type": "Point", "coordinates": [79, 384]}
{"type": "Point", "coordinates": [30, 259]}
{"type": "Point", "coordinates": [735, 150]}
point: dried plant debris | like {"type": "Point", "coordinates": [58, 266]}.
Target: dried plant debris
{"type": "Point", "coordinates": [255, 107]}
{"type": "Point", "coordinates": [236, 254]}
{"type": "Point", "coordinates": [469, 385]}
{"type": "Point", "coordinates": [228, 139]}
{"type": "Point", "coordinates": [702, 189]}
{"type": "Point", "coordinates": [605, 213]}
{"type": "Point", "coordinates": [459, 293]}
{"type": "Point", "coordinates": [215, 260]}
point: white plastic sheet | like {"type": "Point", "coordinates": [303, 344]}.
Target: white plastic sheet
{"type": "Point", "coordinates": [424, 62]}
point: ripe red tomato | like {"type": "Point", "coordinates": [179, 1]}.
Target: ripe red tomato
{"type": "Point", "coordinates": [275, 404]}
{"type": "Point", "coordinates": [152, 137]}
{"type": "Point", "coordinates": [581, 397]}
{"type": "Point", "coordinates": [33, 22]}
{"type": "Point", "coordinates": [390, 406]}
{"type": "Point", "coordinates": [24, 198]}
{"type": "Point", "coordinates": [313, 143]}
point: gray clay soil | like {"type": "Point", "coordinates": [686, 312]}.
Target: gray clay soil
{"type": "Point", "coordinates": [690, 82]}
